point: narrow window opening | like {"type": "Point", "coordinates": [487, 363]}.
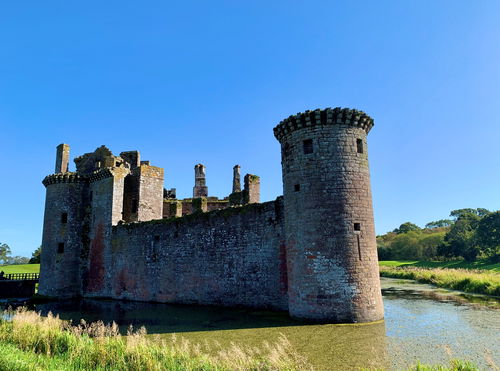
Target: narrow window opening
{"type": "Point", "coordinates": [296, 187]}
{"type": "Point", "coordinates": [357, 226]}
{"type": "Point", "coordinates": [308, 146]}
{"type": "Point", "coordinates": [359, 248]}
{"type": "Point", "coordinates": [64, 218]}
{"type": "Point", "coordinates": [60, 248]}
{"type": "Point", "coordinates": [359, 145]}
{"type": "Point", "coordinates": [134, 206]}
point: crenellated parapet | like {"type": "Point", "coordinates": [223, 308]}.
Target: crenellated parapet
{"type": "Point", "coordinates": [327, 116]}
{"type": "Point", "coordinates": [63, 178]}
{"type": "Point", "coordinates": [100, 174]}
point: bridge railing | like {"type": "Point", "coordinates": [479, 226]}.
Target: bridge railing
{"type": "Point", "coordinates": [21, 276]}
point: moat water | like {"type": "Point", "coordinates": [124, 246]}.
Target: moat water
{"type": "Point", "coordinates": [421, 323]}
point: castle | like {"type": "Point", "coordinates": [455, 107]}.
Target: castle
{"type": "Point", "coordinates": [111, 230]}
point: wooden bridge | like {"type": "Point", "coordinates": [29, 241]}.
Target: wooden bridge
{"type": "Point", "coordinates": [18, 285]}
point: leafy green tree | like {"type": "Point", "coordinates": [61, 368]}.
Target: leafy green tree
{"type": "Point", "coordinates": [439, 223]}
{"type": "Point", "coordinates": [488, 235]}
{"type": "Point", "coordinates": [460, 239]}
{"type": "Point", "coordinates": [35, 257]}
{"type": "Point", "coordinates": [429, 243]}
{"type": "Point", "coordinates": [456, 214]}
{"type": "Point", "coordinates": [4, 252]}
{"type": "Point", "coordinates": [405, 246]}
{"type": "Point", "coordinates": [406, 227]}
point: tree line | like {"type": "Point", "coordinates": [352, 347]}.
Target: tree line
{"type": "Point", "coordinates": [7, 259]}
{"type": "Point", "coordinates": [469, 234]}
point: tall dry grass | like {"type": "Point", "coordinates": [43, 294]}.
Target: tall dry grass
{"type": "Point", "coordinates": [96, 346]}
{"type": "Point", "coordinates": [468, 280]}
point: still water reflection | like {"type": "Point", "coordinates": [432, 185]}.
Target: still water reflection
{"type": "Point", "coordinates": [421, 323]}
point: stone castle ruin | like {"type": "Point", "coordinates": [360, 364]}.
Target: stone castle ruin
{"type": "Point", "coordinates": [112, 230]}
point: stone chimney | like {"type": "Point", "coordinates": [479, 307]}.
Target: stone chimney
{"type": "Point", "coordinates": [62, 158]}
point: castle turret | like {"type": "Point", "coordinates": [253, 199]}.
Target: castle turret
{"type": "Point", "coordinates": [329, 229]}
{"type": "Point", "coordinates": [200, 188]}
{"type": "Point", "coordinates": [63, 229]}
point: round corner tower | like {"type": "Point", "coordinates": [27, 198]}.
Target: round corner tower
{"type": "Point", "coordinates": [62, 230]}
{"type": "Point", "coordinates": [332, 260]}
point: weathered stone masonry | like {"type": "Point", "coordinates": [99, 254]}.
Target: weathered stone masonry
{"type": "Point", "coordinates": [111, 230]}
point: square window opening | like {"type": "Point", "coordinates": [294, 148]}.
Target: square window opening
{"type": "Point", "coordinates": [357, 227]}
{"type": "Point", "coordinates": [308, 146]}
{"type": "Point", "coordinates": [359, 145]}
{"type": "Point", "coordinates": [60, 247]}
{"type": "Point", "coordinates": [64, 218]}
{"type": "Point", "coordinates": [296, 187]}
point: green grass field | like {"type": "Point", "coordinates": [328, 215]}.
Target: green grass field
{"type": "Point", "coordinates": [21, 268]}
{"type": "Point", "coordinates": [456, 264]}
{"type": "Point", "coordinates": [480, 277]}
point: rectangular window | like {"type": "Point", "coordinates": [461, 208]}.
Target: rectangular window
{"type": "Point", "coordinates": [60, 248]}
{"type": "Point", "coordinates": [64, 218]}
{"type": "Point", "coordinates": [357, 226]}
{"type": "Point", "coordinates": [297, 187]}
{"type": "Point", "coordinates": [308, 146]}
{"type": "Point", "coordinates": [359, 145]}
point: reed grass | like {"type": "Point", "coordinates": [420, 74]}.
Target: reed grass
{"type": "Point", "coordinates": [30, 342]}
{"type": "Point", "coordinates": [48, 343]}
{"type": "Point", "coordinates": [467, 280]}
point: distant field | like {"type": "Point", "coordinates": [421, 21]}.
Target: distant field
{"type": "Point", "coordinates": [448, 264]}
{"type": "Point", "coordinates": [21, 268]}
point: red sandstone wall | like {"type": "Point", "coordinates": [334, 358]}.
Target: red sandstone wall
{"type": "Point", "coordinates": [232, 257]}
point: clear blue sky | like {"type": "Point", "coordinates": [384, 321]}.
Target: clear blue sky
{"type": "Point", "coordinates": [206, 81]}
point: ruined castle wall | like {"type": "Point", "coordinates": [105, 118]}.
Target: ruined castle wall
{"type": "Point", "coordinates": [232, 257]}
{"type": "Point", "coordinates": [150, 193]}
{"type": "Point", "coordinates": [106, 210]}
{"type": "Point", "coordinates": [186, 207]}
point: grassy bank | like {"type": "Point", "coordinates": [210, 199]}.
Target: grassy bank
{"type": "Point", "coordinates": [50, 343]}
{"type": "Point", "coordinates": [20, 268]}
{"type": "Point", "coordinates": [454, 264]}
{"type": "Point", "coordinates": [467, 280]}
{"type": "Point", "coordinates": [31, 342]}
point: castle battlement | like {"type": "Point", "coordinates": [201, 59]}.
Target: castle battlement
{"type": "Point", "coordinates": [112, 230]}
{"type": "Point", "coordinates": [63, 178]}
{"type": "Point", "coordinates": [327, 116]}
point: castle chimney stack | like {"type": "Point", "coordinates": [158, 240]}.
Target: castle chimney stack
{"type": "Point", "coordinates": [236, 179]}
{"type": "Point", "coordinates": [252, 189]}
{"type": "Point", "coordinates": [200, 189]}
{"type": "Point", "coordinates": [62, 158]}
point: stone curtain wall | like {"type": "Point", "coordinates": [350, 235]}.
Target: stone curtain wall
{"type": "Point", "coordinates": [232, 257]}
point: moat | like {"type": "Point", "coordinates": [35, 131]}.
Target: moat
{"type": "Point", "coordinates": [421, 323]}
